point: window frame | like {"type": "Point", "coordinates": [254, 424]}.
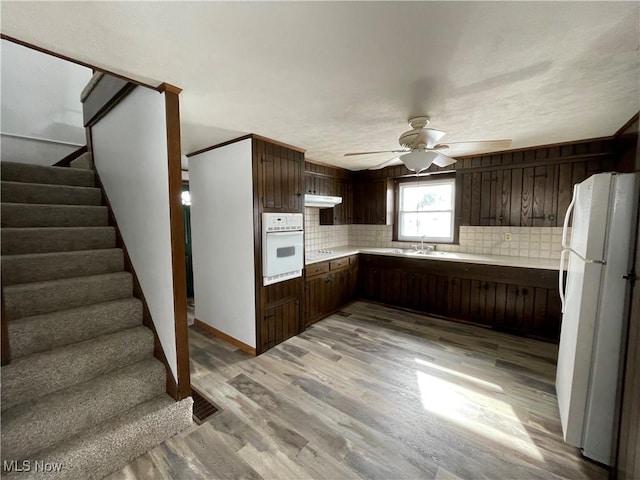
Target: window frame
{"type": "Point", "coordinates": [424, 179]}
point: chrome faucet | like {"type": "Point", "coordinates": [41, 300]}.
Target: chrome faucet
{"type": "Point", "coordinates": [422, 243]}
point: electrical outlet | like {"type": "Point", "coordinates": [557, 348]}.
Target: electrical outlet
{"type": "Point", "coordinates": [507, 237]}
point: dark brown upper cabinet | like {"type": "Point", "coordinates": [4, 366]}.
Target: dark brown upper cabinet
{"type": "Point", "coordinates": [336, 182]}
{"type": "Point", "coordinates": [373, 202]}
{"type": "Point", "coordinates": [280, 177]}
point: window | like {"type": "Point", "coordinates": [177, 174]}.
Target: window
{"type": "Point", "coordinates": [426, 208]}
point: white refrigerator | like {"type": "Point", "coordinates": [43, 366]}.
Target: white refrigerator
{"type": "Point", "coordinates": [593, 306]}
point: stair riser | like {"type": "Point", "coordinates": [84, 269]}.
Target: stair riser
{"type": "Point", "coordinates": [26, 215]}
{"type": "Point", "coordinates": [26, 268]}
{"type": "Point", "coordinates": [43, 332]}
{"type": "Point", "coordinates": [33, 377]}
{"type": "Point", "coordinates": [16, 241]}
{"type": "Point", "coordinates": [23, 172]}
{"type": "Point", "coordinates": [14, 192]}
{"type": "Point", "coordinates": [37, 298]}
{"type": "Point", "coordinates": [30, 429]}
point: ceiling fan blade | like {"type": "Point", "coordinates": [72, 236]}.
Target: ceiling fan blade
{"type": "Point", "coordinates": [371, 153]}
{"type": "Point", "coordinates": [428, 137]}
{"type": "Point", "coordinates": [443, 160]}
{"type": "Point", "coordinates": [388, 163]}
{"type": "Point", "coordinates": [474, 148]}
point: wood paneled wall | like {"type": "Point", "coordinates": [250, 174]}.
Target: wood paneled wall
{"type": "Point", "coordinates": [521, 188]}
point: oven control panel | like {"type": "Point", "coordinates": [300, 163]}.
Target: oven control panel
{"type": "Point", "coordinates": [278, 222]}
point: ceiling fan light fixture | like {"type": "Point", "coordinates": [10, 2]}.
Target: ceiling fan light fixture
{"type": "Point", "coordinates": [418, 160]}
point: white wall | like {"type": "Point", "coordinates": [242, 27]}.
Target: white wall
{"type": "Point", "coordinates": [130, 154]}
{"type": "Point", "coordinates": [221, 187]}
{"type": "Point", "coordinates": [40, 97]}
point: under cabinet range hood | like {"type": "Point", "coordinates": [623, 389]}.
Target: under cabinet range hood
{"type": "Point", "coordinates": [321, 201]}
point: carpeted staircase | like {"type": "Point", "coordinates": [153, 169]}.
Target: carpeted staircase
{"type": "Point", "coordinates": [83, 387]}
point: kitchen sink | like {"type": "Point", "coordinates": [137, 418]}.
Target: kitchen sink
{"type": "Point", "coordinates": [429, 253]}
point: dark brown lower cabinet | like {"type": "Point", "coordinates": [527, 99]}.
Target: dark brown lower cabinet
{"type": "Point", "coordinates": [328, 286]}
{"type": "Point", "coordinates": [521, 301]}
{"type": "Point", "coordinates": [279, 323]}
{"type": "Point", "coordinates": [280, 313]}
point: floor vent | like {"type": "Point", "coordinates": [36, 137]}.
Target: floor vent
{"type": "Point", "coordinates": [202, 408]}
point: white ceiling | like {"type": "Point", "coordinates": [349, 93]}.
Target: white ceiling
{"type": "Point", "coordinates": [337, 77]}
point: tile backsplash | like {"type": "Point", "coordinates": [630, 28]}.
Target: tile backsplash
{"type": "Point", "coordinates": [538, 242]}
{"type": "Point", "coordinates": [320, 237]}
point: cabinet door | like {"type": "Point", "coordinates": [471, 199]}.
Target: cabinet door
{"type": "Point", "coordinates": [482, 302]}
{"type": "Point", "coordinates": [282, 178]}
{"type": "Point", "coordinates": [279, 323]}
{"type": "Point", "coordinates": [312, 299]}
{"type": "Point", "coordinates": [341, 214]}
{"type": "Point", "coordinates": [370, 202]}
{"type": "Point", "coordinates": [429, 293]}
{"type": "Point", "coordinates": [347, 202]}
{"type": "Point", "coordinates": [369, 281]}
{"type": "Point", "coordinates": [377, 211]}
{"type": "Point", "coordinates": [359, 202]}
{"type": "Point", "coordinates": [353, 282]}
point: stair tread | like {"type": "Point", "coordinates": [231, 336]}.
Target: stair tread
{"type": "Point", "coordinates": [69, 253]}
{"type": "Point", "coordinates": [34, 298]}
{"type": "Point", "coordinates": [38, 333]}
{"type": "Point", "coordinates": [29, 428]}
{"type": "Point", "coordinates": [55, 239]}
{"type": "Point", "coordinates": [17, 215]}
{"type": "Point", "coordinates": [30, 173]}
{"type": "Point", "coordinates": [48, 194]}
{"type": "Point", "coordinates": [38, 167]}
{"type": "Point", "coordinates": [28, 378]}
{"type": "Point", "coordinates": [33, 267]}
{"type": "Point", "coordinates": [61, 229]}
{"type": "Point", "coordinates": [52, 205]}
{"type": "Point", "coordinates": [67, 281]}
{"type": "Point", "coordinates": [110, 445]}
{"type": "Point", "coordinates": [54, 186]}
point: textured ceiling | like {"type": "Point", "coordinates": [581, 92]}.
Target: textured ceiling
{"type": "Point", "coordinates": [336, 77]}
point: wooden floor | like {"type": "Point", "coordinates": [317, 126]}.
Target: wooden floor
{"type": "Point", "coordinates": [373, 392]}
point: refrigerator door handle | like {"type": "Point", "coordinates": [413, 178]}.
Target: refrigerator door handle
{"type": "Point", "coordinates": [560, 278]}
{"type": "Point", "coordinates": [565, 226]}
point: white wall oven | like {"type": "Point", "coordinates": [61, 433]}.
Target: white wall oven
{"type": "Point", "coordinates": [282, 247]}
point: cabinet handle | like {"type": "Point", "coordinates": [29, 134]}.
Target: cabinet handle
{"type": "Point", "coordinates": [298, 194]}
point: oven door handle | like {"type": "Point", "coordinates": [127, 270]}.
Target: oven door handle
{"type": "Point", "coordinates": [280, 234]}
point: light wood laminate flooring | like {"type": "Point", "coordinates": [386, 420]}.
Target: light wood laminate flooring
{"type": "Point", "coordinates": [374, 392]}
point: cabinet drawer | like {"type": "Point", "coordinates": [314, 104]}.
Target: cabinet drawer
{"type": "Point", "coordinates": [316, 269]}
{"type": "Point", "coordinates": [339, 263]}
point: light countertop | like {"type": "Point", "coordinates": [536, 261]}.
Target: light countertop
{"type": "Point", "coordinates": [503, 260]}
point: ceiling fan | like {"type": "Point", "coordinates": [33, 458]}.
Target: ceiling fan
{"type": "Point", "coordinates": [421, 147]}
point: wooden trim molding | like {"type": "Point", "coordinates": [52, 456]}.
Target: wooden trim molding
{"type": "Point", "coordinates": [178, 256]}
{"type": "Point", "coordinates": [105, 96]}
{"type": "Point", "coordinates": [167, 87]}
{"type": "Point", "coordinates": [66, 161]}
{"type": "Point", "coordinates": [244, 137]}
{"type": "Point", "coordinates": [6, 346]}
{"type": "Point", "coordinates": [280, 144]}
{"type": "Point", "coordinates": [158, 351]}
{"type": "Point", "coordinates": [223, 336]}
{"type": "Point", "coordinates": [72, 60]}
{"type": "Point", "coordinates": [213, 147]}
{"type": "Point", "coordinates": [623, 129]}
